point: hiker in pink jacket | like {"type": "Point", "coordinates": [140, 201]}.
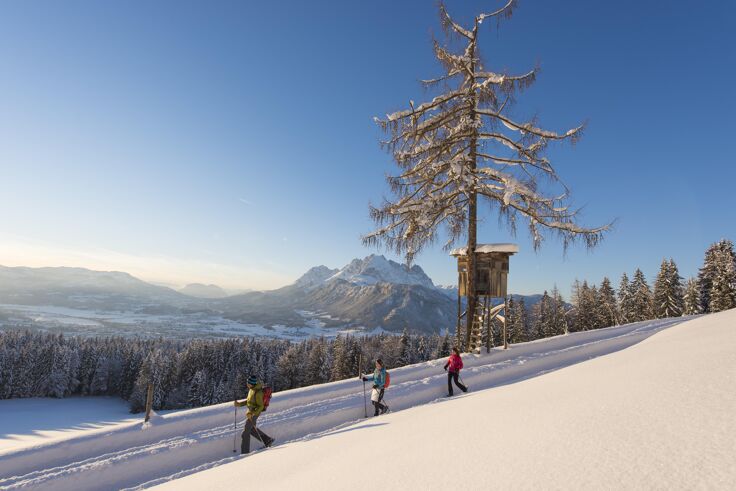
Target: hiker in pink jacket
{"type": "Point", "coordinates": [452, 367]}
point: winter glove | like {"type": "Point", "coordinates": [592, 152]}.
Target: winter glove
{"type": "Point", "coordinates": [445, 368]}
{"type": "Point", "coordinates": [365, 379]}
{"type": "Point", "coordinates": [375, 386]}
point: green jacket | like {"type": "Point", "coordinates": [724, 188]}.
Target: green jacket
{"type": "Point", "coordinates": [254, 401]}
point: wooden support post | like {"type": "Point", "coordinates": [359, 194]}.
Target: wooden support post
{"type": "Point", "coordinates": [505, 319]}
{"type": "Point", "coordinates": [459, 311]}
{"type": "Point", "coordinates": [149, 402]}
{"type": "Point", "coordinates": [489, 333]}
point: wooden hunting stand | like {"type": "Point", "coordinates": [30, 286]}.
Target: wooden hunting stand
{"type": "Point", "coordinates": [491, 277]}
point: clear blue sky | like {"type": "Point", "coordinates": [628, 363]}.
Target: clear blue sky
{"type": "Point", "coordinates": [233, 142]}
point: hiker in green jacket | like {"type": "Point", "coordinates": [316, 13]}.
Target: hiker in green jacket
{"type": "Point", "coordinates": [254, 403]}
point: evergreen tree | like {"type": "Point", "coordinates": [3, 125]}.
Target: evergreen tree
{"type": "Point", "coordinates": [404, 357]}
{"type": "Point", "coordinates": [625, 306]}
{"type": "Point", "coordinates": [289, 369]}
{"type": "Point", "coordinates": [717, 276]}
{"type": "Point", "coordinates": [723, 291]}
{"type": "Point", "coordinates": [641, 298]}
{"type": "Point", "coordinates": [691, 298]}
{"type": "Point", "coordinates": [558, 322]}
{"type": "Point", "coordinates": [98, 384]}
{"type": "Point", "coordinates": [594, 304]}
{"type": "Point", "coordinates": [525, 325]}
{"type": "Point", "coordinates": [516, 331]}
{"type": "Point", "coordinates": [318, 367]}
{"type": "Point", "coordinates": [607, 301]}
{"type": "Point", "coordinates": [200, 390]}
{"type": "Point", "coordinates": [584, 317]}
{"type": "Point", "coordinates": [668, 291]}
{"type": "Point", "coordinates": [543, 317]}
{"type": "Point", "coordinates": [444, 348]}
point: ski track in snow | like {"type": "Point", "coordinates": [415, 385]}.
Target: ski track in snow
{"type": "Point", "coordinates": [186, 442]}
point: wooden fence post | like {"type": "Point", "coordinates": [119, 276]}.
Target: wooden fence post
{"type": "Point", "coordinates": [149, 402]}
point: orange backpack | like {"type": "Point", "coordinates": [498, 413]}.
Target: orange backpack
{"type": "Point", "coordinates": [267, 391]}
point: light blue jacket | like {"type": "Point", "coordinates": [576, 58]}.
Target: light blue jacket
{"type": "Point", "coordinates": [378, 377]}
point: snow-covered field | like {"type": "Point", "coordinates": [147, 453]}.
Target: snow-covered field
{"type": "Point", "coordinates": [188, 325]}
{"type": "Point", "coordinates": [656, 415]}
{"type": "Point", "coordinates": [29, 422]}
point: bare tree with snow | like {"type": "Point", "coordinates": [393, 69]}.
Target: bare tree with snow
{"type": "Point", "coordinates": [464, 145]}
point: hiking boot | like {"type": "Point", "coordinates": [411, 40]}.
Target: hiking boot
{"type": "Point", "coordinates": [269, 442]}
{"type": "Point", "coordinates": [384, 410]}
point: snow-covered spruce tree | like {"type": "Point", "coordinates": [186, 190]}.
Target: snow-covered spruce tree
{"type": "Point", "coordinates": [642, 307]}
{"type": "Point", "coordinates": [596, 321]}
{"type": "Point", "coordinates": [558, 323]}
{"type": "Point", "coordinates": [542, 313]}
{"type": "Point", "coordinates": [723, 291]}
{"type": "Point", "coordinates": [584, 317]}
{"type": "Point", "coordinates": [443, 349]}
{"type": "Point", "coordinates": [515, 329]}
{"type": "Point", "coordinates": [404, 356]}
{"type": "Point", "coordinates": [290, 369]}
{"type": "Point", "coordinates": [716, 263]}
{"type": "Point", "coordinates": [691, 298]}
{"type": "Point", "coordinates": [464, 146]}
{"type": "Point", "coordinates": [608, 312]}
{"type": "Point", "coordinates": [668, 291]}
{"type": "Point", "coordinates": [624, 299]}
{"type": "Point", "coordinates": [318, 368]}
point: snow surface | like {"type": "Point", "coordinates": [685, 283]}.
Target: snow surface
{"type": "Point", "coordinates": [486, 248]}
{"type": "Point", "coordinates": [659, 415]}
{"type": "Point", "coordinates": [29, 422]}
{"type": "Point", "coordinates": [185, 325]}
{"type": "Point", "coordinates": [534, 426]}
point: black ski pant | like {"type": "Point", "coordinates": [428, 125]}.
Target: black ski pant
{"type": "Point", "coordinates": [252, 429]}
{"type": "Point", "coordinates": [377, 404]}
{"type": "Point", "coordinates": [453, 376]}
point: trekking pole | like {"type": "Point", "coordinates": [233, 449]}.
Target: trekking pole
{"type": "Point", "coordinates": [235, 427]}
{"type": "Point", "coordinates": [365, 402]}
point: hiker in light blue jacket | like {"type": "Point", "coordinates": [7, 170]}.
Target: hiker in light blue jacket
{"type": "Point", "coordinates": [379, 385]}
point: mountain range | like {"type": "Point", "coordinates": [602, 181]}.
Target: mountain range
{"type": "Point", "coordinates": [366, 294]}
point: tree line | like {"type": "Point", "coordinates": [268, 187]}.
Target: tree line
{"type": "Point", "coordinates": [201, 372]}
{"type": "Point", "coordinates": [595, 307]}
{"type": "Point", "coordinates": [191, 373]}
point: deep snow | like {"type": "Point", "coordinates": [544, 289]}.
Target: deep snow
{"type": "Point", "coordinates": [188, 441]}
{"type": "Point", "coordinates": [39, 420]}
{"type": "Point", "coordinates": [659, 415]}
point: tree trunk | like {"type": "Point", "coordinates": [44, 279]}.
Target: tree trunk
{"type": "Point", "coordinates": [472, 210]}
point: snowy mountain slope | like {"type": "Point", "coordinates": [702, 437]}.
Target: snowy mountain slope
{"type": "Point", "coordinates": [370, 293]}
{"type": "Point", "coordinates": [315, 277]}
{"type": "Point", "coordinates": [28, 280]}
{"type": "Point", "coordinates": [188, 441]}
{"type": "Point", "coordinates": [377, 269]}
{"type": "Point", "coordinates": [658, 415]}
{"type": "Point", "coordinates": [84, 288]}
{"type": "Point", "coordinates": [198, 290]}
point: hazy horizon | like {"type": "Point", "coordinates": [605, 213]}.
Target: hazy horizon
{"type": "Point", "coordinates": [184, 143]}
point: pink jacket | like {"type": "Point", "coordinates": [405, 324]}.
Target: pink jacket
{"type": "Point", "coordinates": [455, 363]}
